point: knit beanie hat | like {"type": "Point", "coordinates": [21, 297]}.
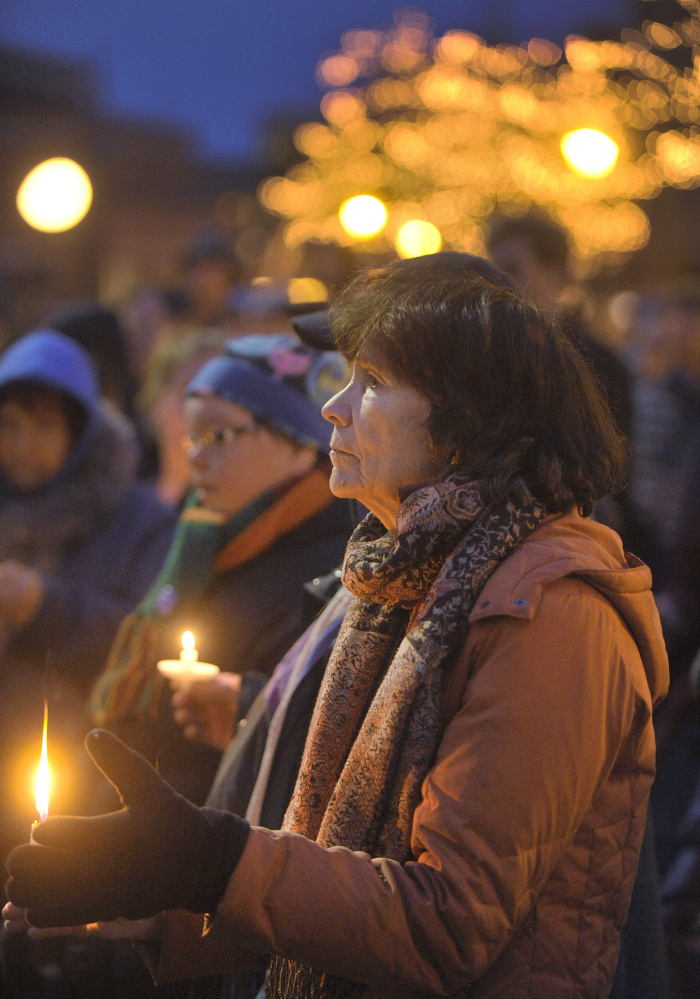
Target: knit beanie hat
{"type": "Point", "coordinates": [279, 380]}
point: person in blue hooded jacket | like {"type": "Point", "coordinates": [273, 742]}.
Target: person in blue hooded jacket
{"type": "Point", "coordinates": [80, 542]}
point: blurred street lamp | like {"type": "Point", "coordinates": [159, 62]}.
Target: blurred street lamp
{"type": "Point", "coordinates": [362, 216]}
{"type": "Point", "coordinates": [589, 152]}
{"type": "Point", "coordinates": [416, 238]}
{"type": "Point", "coordinates": [55, 195]}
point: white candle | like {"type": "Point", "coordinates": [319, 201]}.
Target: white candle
{"type": "Point", "coordinates": [187, 667]}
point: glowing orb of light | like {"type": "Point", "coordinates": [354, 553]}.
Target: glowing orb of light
{"type": "Point", "coordinates": [362, 216]}
{"type": "Point", "coordinates": [55, 195]}
{"type": "Point", "coordinates": [306, 289]}
{"type": "Point", "coordinates": [589, 152]}
{"type": "Point", "coordinates": [416, 238]}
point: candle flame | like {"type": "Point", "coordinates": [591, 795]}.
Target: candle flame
{"type": "Point", "coordinates": [187, 640]}
{"type": "Point", "coordinates": [42, 783]}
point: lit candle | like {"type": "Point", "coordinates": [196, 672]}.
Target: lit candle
{"type": "Point", "coordinates": [189, 654]}
{"type": "Point", "coordinates": [42, 781]}
{"type": "Point", "coordinates": [187, 667]}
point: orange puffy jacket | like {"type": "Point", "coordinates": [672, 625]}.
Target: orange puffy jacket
{"type": "Point", "coordinates": [527, 838]}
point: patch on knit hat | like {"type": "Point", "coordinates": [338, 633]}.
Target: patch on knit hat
{"type": "Point", "coordinates": [329, 374]}
{"type": "Point", "coordinates": [280, 380]}
{"type": "Point", "coordinates": [317, 374]}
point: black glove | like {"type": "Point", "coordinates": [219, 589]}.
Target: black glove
{"type": "Point", "coordinates": [158, 852]}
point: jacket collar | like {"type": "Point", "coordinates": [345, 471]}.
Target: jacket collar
{"type": "Point", "coordinates": [563, 545]}
{"type": "Point", "coordinates": [571, 545]}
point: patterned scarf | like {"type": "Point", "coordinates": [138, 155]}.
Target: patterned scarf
{"type": "Point", "coordinates": [375, 728]}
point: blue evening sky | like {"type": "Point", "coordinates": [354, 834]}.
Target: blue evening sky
{"type": "Point", "coordinates": [220, 67]}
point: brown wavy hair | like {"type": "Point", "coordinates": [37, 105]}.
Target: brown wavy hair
{"type": "Point", "coordinates": [512, 399]}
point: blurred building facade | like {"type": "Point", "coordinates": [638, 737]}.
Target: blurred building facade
{"type": "Point", "coordinates": [152, 190]}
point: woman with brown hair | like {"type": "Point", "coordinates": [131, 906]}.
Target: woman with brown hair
{"type": "Point", "coordinates": [471, 801]}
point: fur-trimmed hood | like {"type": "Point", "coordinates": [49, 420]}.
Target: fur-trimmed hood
{"type": "Point", "coordinates": [39, 529]}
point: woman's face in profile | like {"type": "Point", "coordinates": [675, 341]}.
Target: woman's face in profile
{"type": "Point", "coordinates": [380, 443]}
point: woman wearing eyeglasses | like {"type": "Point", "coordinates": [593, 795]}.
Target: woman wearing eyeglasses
{"type": "Point", "coordinates": [259, 522]}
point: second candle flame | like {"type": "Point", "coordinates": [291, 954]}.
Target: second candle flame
{"type": "Point", "coordinates": [43, 776]}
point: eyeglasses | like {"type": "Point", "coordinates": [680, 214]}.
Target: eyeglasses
{"type": "Point", "coordinates": [215, 440]}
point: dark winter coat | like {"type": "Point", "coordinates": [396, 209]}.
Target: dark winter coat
{"type": "Point", "coordinates": [243, 756]}
{"type": "Point", "coordinates": [98, 537]}
{"type": "Point", "coordinates": [248, 618]}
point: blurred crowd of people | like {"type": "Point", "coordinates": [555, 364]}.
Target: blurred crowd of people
{"type": "Point", "coordinates": [164, 467]}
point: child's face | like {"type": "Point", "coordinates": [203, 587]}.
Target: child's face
{"type": "Point", "coordinates": [34, 441]}
{"type": "Point", "coordinates": [233, 459]}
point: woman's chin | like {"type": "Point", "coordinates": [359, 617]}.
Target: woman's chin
{"type": "Point", "coordinates": [208, 500]}
{"type": "Point", "coordinates": [341, 485]}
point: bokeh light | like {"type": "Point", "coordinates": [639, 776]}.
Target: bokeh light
{"type": "Point", "coordinates": [306, 289]}
{"type": "Point", "coordinates": [362, 216]}
{"type": "Point", "coordinates": [416, 238]}
{"type": "Point", "coordinates": [55, 195]}
{"type": "Point", "coordinates": [452, 130]}
{"type": "Point", "coordinates": [590, 152]}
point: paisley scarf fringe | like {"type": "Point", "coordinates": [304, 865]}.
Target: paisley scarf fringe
{"type": "Point", "coordinates": [295, 981]}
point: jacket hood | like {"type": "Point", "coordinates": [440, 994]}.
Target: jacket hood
{"type": "Point", "coordinates": [51, 360]}
{"type": "Point", "coordinates": [54, 361]}
{"type": "Point", "coordinates": [571, 545]}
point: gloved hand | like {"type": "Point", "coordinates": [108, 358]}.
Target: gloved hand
{"type": "Point", "coordinates": [158, 852]}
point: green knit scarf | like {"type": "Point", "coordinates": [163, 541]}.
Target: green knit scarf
{"type": "Point", "coordinates": [129, 684]}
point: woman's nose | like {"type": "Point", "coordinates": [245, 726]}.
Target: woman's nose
{"type": "Point", "coordinates": [338, 410]}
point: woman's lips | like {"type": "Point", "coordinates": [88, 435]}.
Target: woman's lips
{"type": "Point", "coordinates": [337, 454]}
